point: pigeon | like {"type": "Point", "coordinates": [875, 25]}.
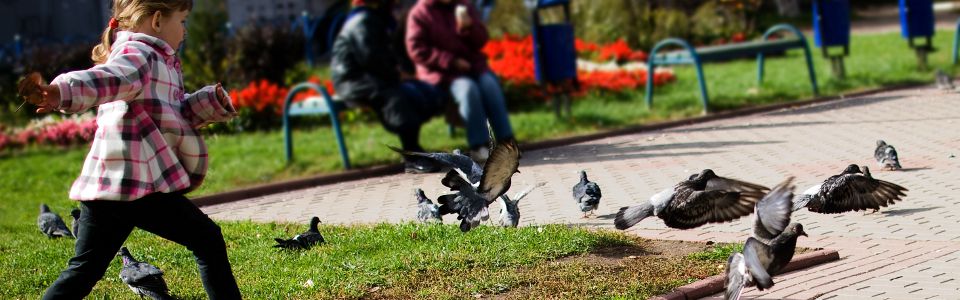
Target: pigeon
{"type": "Point", "coordinates": [772, 213]}
{"type": "Point", "coordinates": [51, 224]}
{"type": "Point", "coordinates": [852, 190]}
{"type": "Point", "coordinates": [759, 262]}
{"type": "Point", "coordinates": [702, 198]}
{"type": "Point", "coordinates": [944, 82]}
{"type": "Point", "coordinates": [75, 213]}
{"type": "Point", "coordinates": [143, 278]}
{"type": "Point", "coordinates": [587, 194]}
{"type": "Point", "coordinates": [427, 212]}
{"type": "Point", "coordinates": [886, 156]}
{"type": "Point", "coordinates": [471, 201]}
{"type": "Point", "coordinates": [509, 211]}
{"type": "Point", "coordinates": [454, 160]}
{"type": "Point", "coordinates": [302, 241]}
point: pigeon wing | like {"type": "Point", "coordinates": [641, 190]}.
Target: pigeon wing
{"type": "Point", "coordinates": [527, 191]}
{"type": "Point", "coordinates": [703, 207]}
{"type": "Point", "coordinates": [737, 277]}
{"type": "Point", "coordinates": [734, 185]}
{"type": "Point", "coordinates": [853, 192]}
{"type": "Point", "coordinates": [773, 211]}
{"type": "Point", "coordinates": [145, 276]}
{"type": "Point", "coordinates": [454, 161]}
{"type": "Point", "coordinates": [498, 171]}
{"type": "Point", "coordinates": [756, 256]}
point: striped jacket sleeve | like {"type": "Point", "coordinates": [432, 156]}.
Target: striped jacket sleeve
{"type": "Point", "coordinates": [122, 77]}
{"type": "Point", "coordinates": [202, 107]}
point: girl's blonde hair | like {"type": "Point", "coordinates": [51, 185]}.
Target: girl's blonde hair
{"type": "Point", "coordinates": [129, 14]}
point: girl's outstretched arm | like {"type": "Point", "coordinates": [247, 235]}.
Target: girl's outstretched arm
{"type": "Point", "coordinates": [207, 105]}
{"type": "Point", "coordinates": [122, 77]}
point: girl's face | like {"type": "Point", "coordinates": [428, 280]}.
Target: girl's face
{"type": "Point", "coordinates": [173, 28]}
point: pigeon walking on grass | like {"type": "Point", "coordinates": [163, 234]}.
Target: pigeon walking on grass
{"type": "Point", "coordinates": [75, 213]}
{"type": "Point", "coordinates": [701, 199]}
{"type": "Point", "coordinates": [772, 246]}
{"type": "Point", "coordinates": [427, 211]}
{"type": "Point", "coordinates": [587, 194]}
{"type": "Point", "coordinates": [471, 201]}
{"type": "Point", "coordinates": [144, 279]}
{"type": "Point", "coordinates": [886, 156]}
{"type": "Point", "coordinates": [852, 190]}
{"type": "Point", "coordinates": [509, 208]}
{"type": "Point", "coordinates": [51, 224]}
{"type": "Point", "coordinates": [302, 241]}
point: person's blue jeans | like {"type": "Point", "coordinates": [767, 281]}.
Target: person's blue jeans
{"type": "Point", "coordinates": [481, 99]}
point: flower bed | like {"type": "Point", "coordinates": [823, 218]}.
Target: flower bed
{"type": "Point", "coordinates": [50, 130]}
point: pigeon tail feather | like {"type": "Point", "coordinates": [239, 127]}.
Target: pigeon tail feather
{"type": "Point", "coordinates": [631, 215]}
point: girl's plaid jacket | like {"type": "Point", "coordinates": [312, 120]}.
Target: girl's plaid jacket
{"type": "Point", "coordinates": [146, 140]}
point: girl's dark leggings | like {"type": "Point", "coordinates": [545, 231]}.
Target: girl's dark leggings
{"type": "Point", "coordinates": [105, 225]}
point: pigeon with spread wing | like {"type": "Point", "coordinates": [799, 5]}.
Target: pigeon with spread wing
{"type": "Point", "coordinates": [510, 209]}
{"type": "Point", "coordinates": [852, 190]}
{"type": "Point", "coordinates": [701, 199]}
{"type": "Point", "coordinates": [471, 201]}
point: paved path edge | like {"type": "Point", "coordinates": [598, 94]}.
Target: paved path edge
{"type": "Point", "coordinates": [384, 170]}
{"type": "Point", "coordinates": [714, 284]}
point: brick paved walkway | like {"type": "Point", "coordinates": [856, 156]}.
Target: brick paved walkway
{"type": "Point", "coordinates": [908, 251]}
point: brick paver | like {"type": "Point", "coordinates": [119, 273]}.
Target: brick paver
{"type": "Point", "coordinates": [908, 251]}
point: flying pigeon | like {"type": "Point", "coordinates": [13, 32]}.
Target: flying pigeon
{"type": "Point", "coordinates": [759, 262]}
{"type": "Point", "coordinates": [509, 211]}
{"type": "Point", "coordinates": [303, 241]}
{"type": "Point", "coordinates": [471, 201]}
{"type": "Point", "coordinates": [886, 156]}
{"type": "Point", "coordinates": [944, 82]}
{"type": "Point", "coordinates": [454, 160]}
{"type": "Point", "coordinates": [427, 212]}
{"type": "Point", "coordinates": [772, 213]}
{"type": "Point", "coordinates": [51, 224]}
{"type": "Point", "coordinates": [852, 190]}
{"type": "Point", "coordinates": [75, 213]}
{"type": "Point", "coordinates": [143, 278]}
{"type": "Point", "coordinates": [701, 199]}
{"type": "Point", "coordinates": [587, 194]}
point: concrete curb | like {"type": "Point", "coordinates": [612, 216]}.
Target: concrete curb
{"type": "Point", "coordinates": [383, 170]}
{"type": "Point", "coordinates": [714, 284]}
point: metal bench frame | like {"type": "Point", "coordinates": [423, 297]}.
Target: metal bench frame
{"type": "Point", "coordinates": [326, 106]}
{"type": "Point", "coordinates": [694, 56]}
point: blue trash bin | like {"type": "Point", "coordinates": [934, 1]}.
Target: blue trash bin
{"type": "Point", "coordinates": [554, 53]}
{"type": "Point", "coordinates": [917, 21]}
{"type": "Point", "coordinates": [831, 29]}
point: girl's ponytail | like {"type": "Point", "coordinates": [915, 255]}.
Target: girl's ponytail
{"type": "Point", "coordinates": [102, 51]}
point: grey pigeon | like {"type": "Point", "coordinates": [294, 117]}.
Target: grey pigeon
{"type": "Point", "coordinates": [302, 241]}
{"type": "Point", "coordinates": [455, 160]}
{"type": "Point", "coordinates": [944, 82]}
{"type": "Point", "coordinates": [470, 202]}
{"type": "Point", "coordinates": [852, 190]}
{"type": "Point", "coordinates": [144, 279]}
{"type": "Point", "coordinates": [75, 213]}
{"type": "Point", "coordinates": [427, 211]}
{"type": "Point", "coordinates": [587, 194]}
{"type": "Point", "coordinates": [509, 209]}
{"type": "Point", "coordinates": [51, 224]}
{"type": "Point", "coordinates": [772, 213]}
{"type": "Point", "coordinates": [759, 261]}
{"type": "Point", "coordinates": [701, 199]}
{"type": "Point", "coordinates": [886, 156]}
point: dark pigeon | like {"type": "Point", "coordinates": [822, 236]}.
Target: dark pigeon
{"type": "Point", "coordinates": [51, 224]}
{"type": "Point", "coordinates": [144, 279]}
{"type": "Point", "coordinates": [427, 211]}
{"type": "Point", "coordinates": [455, 160]}
{"type": "Point", "coordinates": [303, 241]}
{"type": "Point", "coordinates": [75, 213]}
{"type": "Point", "coordinates": [886, 156]}
{"type": "Point", "coordinates": [852, 190]}
{"type": "Point", "coordinates": [587, 194]}
{"type": "Point", "coordinates": [701, 199]}
{"type": "Point", "coordinates": [510, 209]}
{"type": "Point", "coordinates": [470, 202]}
{"type": "Point", "coordinates": [759, 262]}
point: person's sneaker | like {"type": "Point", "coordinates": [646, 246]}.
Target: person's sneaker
{"type": "Point", "coordinates": [418, 165]}
{"type": "Point", "coordinates": [480, 154]}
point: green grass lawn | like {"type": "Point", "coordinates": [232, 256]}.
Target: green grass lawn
{"type": "Point", "coordinates": [360, 258]}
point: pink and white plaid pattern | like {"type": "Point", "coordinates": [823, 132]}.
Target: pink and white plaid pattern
{"type": "Point", "coordinates": [146, 139]}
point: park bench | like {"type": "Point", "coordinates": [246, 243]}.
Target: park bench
{"type": "Point", "coordinates": [697, 56]}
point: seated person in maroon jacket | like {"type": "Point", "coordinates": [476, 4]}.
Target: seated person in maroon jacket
{"type": "Point", "coordinates": [445, 39]}
{"type": "Point", "coordinates": [366, 69]}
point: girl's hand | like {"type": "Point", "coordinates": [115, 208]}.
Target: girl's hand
{"type": "Point", "coordinates": [221, 95]}
{"type": "Point", "coordinates": [34, 90]}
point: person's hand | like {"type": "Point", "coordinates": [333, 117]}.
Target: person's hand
{"type": "Point", "coordinates": [34, 90]}
{"type": "Point", "coordinates": [463, 17]}
{"type": "Point", "coordinates": [462, 64]}
{"type": "Point", "coordinates": [221, 95]}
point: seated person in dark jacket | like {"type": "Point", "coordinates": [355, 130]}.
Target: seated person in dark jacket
{"type": "Point", "coordinates": [366, 69]}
